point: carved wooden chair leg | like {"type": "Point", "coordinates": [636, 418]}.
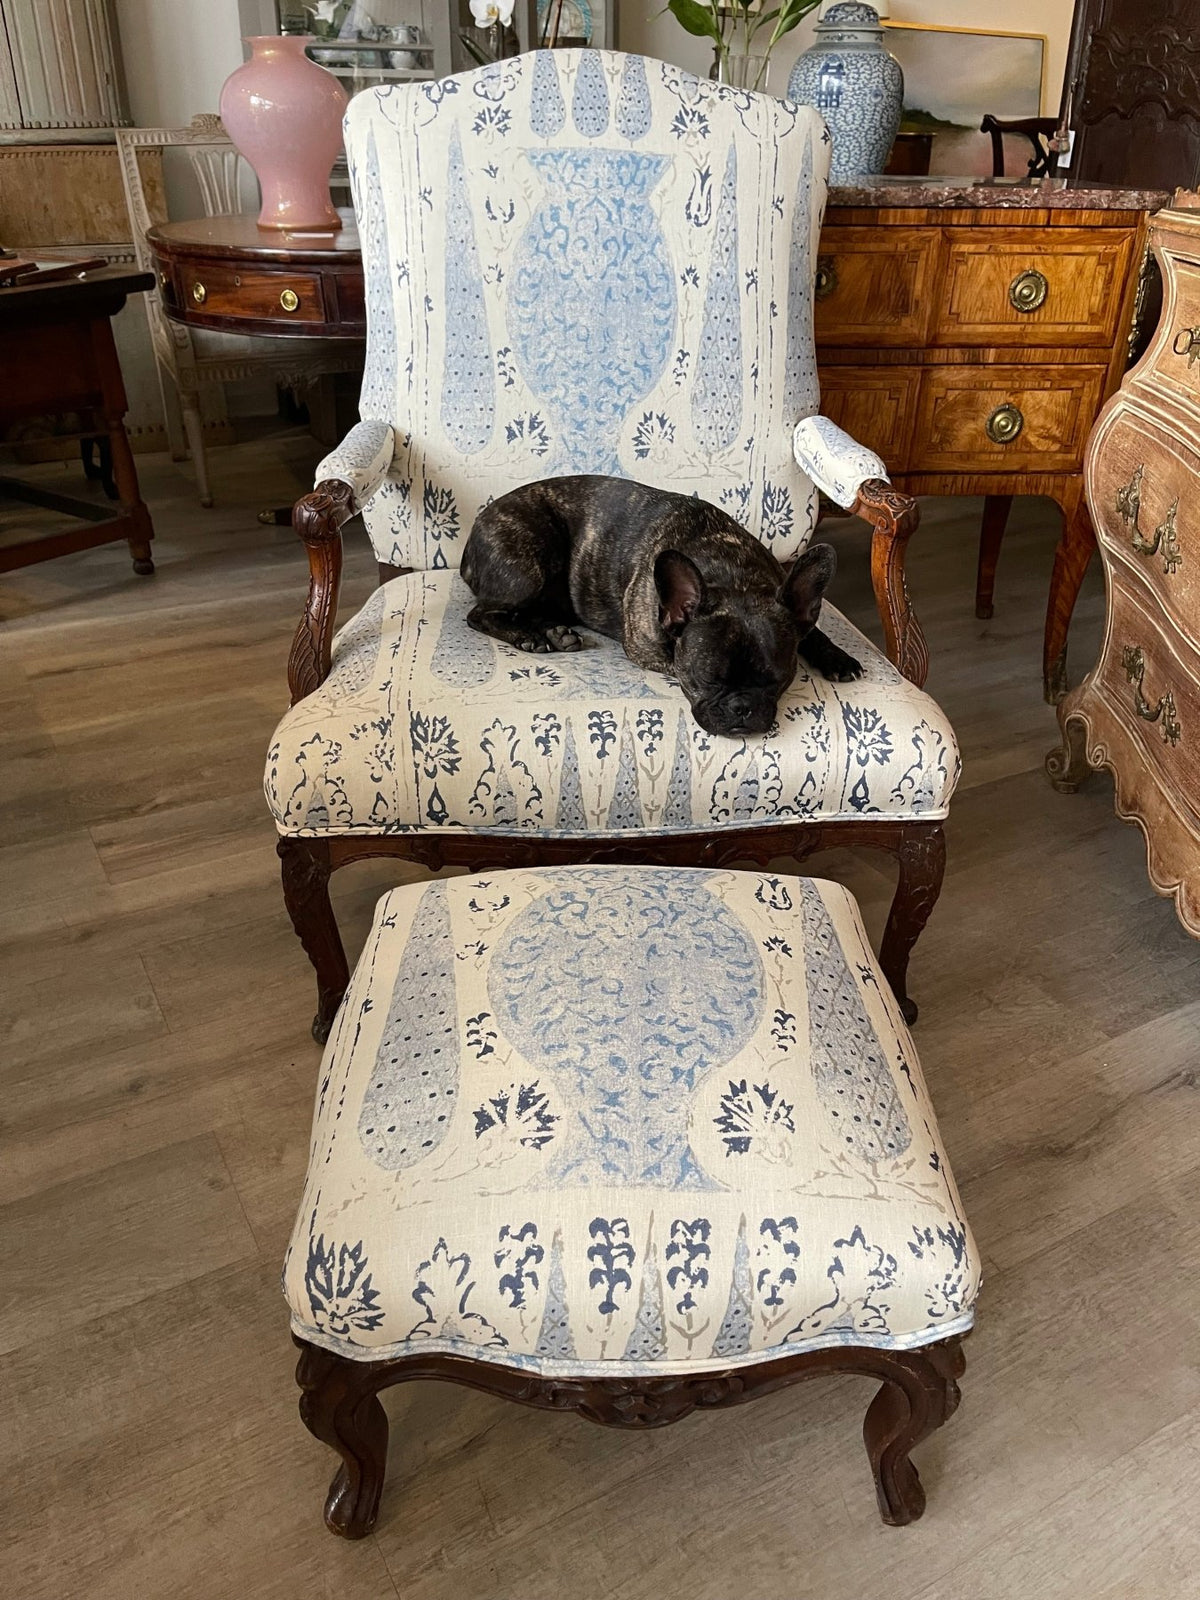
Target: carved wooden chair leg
{"type": "Point", "coordinates": [339, 1404]}
{"type": "Point", "coordinates": [1067, 764]}
{"type": "Point", "coordinates": [306, 868]}
{"type": "Point", "coordinates": [919, 1393]}
{"type": "Point", "coordinates": [922, 861]}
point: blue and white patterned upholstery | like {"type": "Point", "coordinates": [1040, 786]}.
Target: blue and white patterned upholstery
{"type": "Point", "coordinates": [580, 261]}
{"type": "Point", "coordinates": [624, 1120]}
{"type": "Point", "coordinates": [584, 261]}
{"type": "Point", "coordinates": [424, 723]}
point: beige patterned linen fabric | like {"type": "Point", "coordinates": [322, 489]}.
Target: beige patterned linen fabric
{"type": "Point", "coordinates": [624, 1120]}
{"type": "Point", "coordinates": [582, 261]}
{"type": "Point", "coordinates": [424, 723]}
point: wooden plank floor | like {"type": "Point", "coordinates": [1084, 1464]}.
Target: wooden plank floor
{"type": "Point", "coordinates": [156, 1080]}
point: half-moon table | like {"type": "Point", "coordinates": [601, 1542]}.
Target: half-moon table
{"type": "Point", "coordinates": [228, 274]}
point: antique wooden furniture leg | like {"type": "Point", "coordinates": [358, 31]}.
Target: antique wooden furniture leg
{"type": "Point", "coordinates": [339, 1404]}
{"type": "Point", "coordinates": [306, 868]}
{"type": "Point", "coordinates": [1071, 559]}
{"type": "Point", "coordinates": [996, 508]}
{"type": "Point", "coordinates": [125, 475]}
{"type": "Point", "coordinates": [922, 861]}
{"type": "Point", "coordinates": [1067, 764]}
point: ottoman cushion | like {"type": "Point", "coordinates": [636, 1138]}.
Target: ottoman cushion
{"type": "Point", "coordinates": [624, 1119]}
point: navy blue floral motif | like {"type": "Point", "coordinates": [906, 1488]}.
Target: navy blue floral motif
{"type": "Point", "coordinates": [339, 1288]}
{"type": "Point", "coordinates": [867, 735]}
{"type": "Point", "coordinates": [602, 732]}
{"type": "Point", "coordinates": [776, 1278]}
{"type": "Point", "coordinates": [532, 429]}
{"type": "Point", "coordinates": [777, 512]}
{"type": "Point", "coordinates": [953, 1293]}
{"type": "Point", "coordinates": [441, 520]}
{"type": "Point", "coordinates": [442, 1291]}
{"type": "Point", "coordinates": [752, 1114]}
{"type": "Point", "coordinates": [690, 1251]}
{"type": "Point", "coordinates": [652, 435]}
{"type": "Point", "coordinates": [522, 1108]}
{"type": "Point", "coordinates": [522, 1255]}
{"type": "Point", "coordinates": [611, 1255]}
{"type": "Point", "coordinates": [689, 122]}
{"type": "Point", "coordinates": [698, 208]}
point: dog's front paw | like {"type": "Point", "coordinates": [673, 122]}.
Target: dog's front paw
{"type": "Point", "coordinates": [843, 668]}
{"type": "Point", "coordinates": [563, 638]}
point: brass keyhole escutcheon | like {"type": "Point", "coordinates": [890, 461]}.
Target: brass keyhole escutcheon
{"type": "Point", "coordinates": [199, 293]}
{"type": "Point", "coordinates": [289, 299]}
{"type": "Point", "coordinates": [1004, 424]}
{"type": "Point", "coordinates": [1028, 290]}
{"type": "Point", "coordinates": [826, 280]}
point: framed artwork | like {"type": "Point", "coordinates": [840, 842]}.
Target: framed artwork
{"type": "Point", "coordinates": [953, 77]}
{"type": "Point", "coordinates": [563, 23]}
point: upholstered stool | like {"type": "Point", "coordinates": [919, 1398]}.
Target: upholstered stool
{"type": "Point", "coordinates": [624, 1141]}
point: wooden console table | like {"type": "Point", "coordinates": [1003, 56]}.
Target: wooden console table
{"type": "Point", "coordinates": [970, 331]}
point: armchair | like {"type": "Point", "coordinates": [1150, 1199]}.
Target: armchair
{"type": "Point", "coordinates": [582, 261]}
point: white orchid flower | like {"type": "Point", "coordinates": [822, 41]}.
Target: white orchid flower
{"type": "Point", "coordinates": [324, 11]}
{"type": "Point", "coordinates": [492, 13]}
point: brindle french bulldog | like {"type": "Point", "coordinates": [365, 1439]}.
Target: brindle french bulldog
{"type": "Point", "coordinates": [686, 589]}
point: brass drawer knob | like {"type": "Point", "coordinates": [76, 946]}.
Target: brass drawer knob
{"type": "Point", "coordinates": [826, 280]}
{"type": "Point", "coordinates": [1187, 343]}
{"type": "Point", "coordinates": [1004, 424]}
{"type": "Point", "coordinates": [1028, 290]}
{"type": "Point", "coordinates": [199, 293]}
{"type": "Point", "coordinates": [1163, 711]}
{"type": "Point", "coordinates": [289, 300]}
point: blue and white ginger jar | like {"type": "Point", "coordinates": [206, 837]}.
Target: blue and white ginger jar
{"type": "Point", "coordinates": [856, 86]}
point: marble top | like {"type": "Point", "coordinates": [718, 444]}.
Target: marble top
{"type": "Point", "coordinates": [1024, 194]}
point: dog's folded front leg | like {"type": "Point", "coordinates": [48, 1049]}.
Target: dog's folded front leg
{"type": "Point", "coordinates": [830, 660]}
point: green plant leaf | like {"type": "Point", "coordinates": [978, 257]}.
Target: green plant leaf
{"type": "Point", "coordinates": [694, 18]}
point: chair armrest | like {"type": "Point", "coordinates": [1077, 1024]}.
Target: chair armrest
{"type": "Point", "coordinates": [893, 516]}
{"type": "Point", "coordinates": [855, 478]}
{"type": "Point", "coordinates": [835, 462]}
{"type": "Point", "coordinates": [318, 519]}
{"type": "Point", "coordinates": [361, 460]}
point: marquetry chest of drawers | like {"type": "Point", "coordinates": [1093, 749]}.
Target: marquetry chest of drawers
{"type": "Point", "coordinates": [970, 332]}
{"type": "Point", "coordinates": [1138, 710]}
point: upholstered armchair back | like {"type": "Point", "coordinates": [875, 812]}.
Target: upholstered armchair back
{"type": "Point", "coordinates": [581, 261]}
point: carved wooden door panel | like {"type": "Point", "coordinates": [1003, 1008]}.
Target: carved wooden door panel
{"type": "Point", "coordinates": [1135, 67]}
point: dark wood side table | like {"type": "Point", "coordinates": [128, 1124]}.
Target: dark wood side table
{"type": "Point", "coordinates": [229, 274]}
{"type": "Point", "coordinates": [57, 355]}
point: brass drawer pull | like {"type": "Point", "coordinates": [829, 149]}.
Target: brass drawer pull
{"type": "Point", "coordinates": [1128, 501]}
{"type": "Point", "coordinates": [1163, 712]}
{"type": "Point", "coordinates": [1004, 424]}
{"type": "Point", "coordinates": [827, 278]}
{"type": "Point", "coordinates": [199, 293]}
{"type": "Point", "coordinates": [1190, 347]}
{"type": "Point", "coordinates": [289, 300]}
{"type": "Point", "coordinates": [1028, 290]}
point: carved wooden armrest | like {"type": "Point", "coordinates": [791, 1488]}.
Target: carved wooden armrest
{"type": "Point", "coordinates": [318, 519]}
{"type": "Point", "coordinates": [893, 517]}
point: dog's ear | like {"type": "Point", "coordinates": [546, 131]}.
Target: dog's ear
{"type": "Point", "coordinates": [807, 582]}
{"type": "Point", "coordinates": [680, 590]}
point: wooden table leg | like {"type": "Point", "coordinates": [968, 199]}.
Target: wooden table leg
{"type": "Point", "coordinates": [991, 533]}
{"type": "Point", "coordinates": [1071, 559]}
{"type": "Point", "coordinates": [123, 470]}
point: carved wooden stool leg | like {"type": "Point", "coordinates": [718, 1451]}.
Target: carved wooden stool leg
{"type": "Point", "coordinates": [918, 1395]}
{"type": "Point", "coordinates": [339, 1405]}
{"type": "Point", "coordinates": [922, 860]}
{"type": "Point", "coordinates": [306, 870]}
{"type": "Point", "coordinates": [1067, 765]}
